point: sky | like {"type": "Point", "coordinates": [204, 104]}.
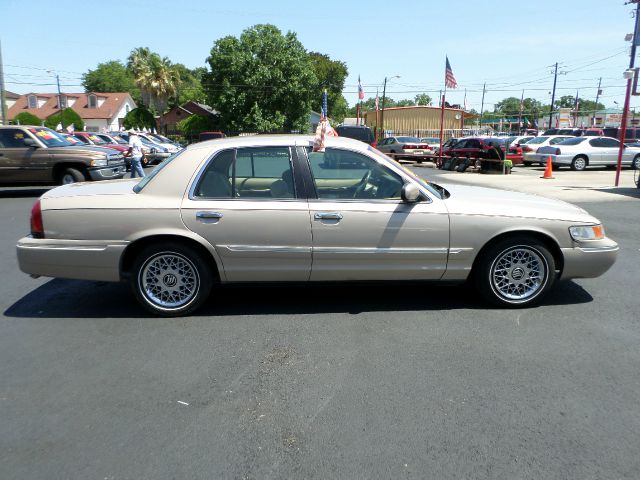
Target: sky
{"type": "Point", "coordinates": [508, 45]}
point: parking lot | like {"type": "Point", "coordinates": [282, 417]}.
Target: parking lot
{"type": "Point", "coordinates": [385, 381]}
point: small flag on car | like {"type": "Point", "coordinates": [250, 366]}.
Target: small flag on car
{"type": "Point", "coordinates": [324, 128]}
{"type": "Point", "coordinates": [360, 90]}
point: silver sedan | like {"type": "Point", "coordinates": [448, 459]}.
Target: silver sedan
{"type": "Point", "coordinates": [270, 209]}
{"type": "Point", "coordinates": [580, 152]}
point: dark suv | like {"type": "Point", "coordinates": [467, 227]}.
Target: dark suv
{"type": "Point", "coordinates": [357, 132]}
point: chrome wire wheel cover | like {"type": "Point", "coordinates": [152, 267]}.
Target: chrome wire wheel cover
{"type": "Point", "coordinates": [169, 281]}
{"type": "Point", "coordinates": [518, 274]}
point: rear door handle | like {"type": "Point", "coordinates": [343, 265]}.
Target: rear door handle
{"type": "Point", "coordinates": [209, 215]}
{"type": "Point", "coordinates": [328, 216]}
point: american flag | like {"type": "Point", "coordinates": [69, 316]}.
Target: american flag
{"type": "Point", "coordinates": [360, 90]}
{"type": "Point", "coordinates": [449, 79]}
{"type": "Point", "coordinates": [324, 113]}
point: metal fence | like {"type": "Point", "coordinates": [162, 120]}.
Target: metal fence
{"type": "Point", "coordinates": [435, 133]}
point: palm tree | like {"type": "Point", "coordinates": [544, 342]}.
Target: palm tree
{"type": "Point", "coordinates": [157, 78]}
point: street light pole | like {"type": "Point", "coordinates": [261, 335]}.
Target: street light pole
{"type": "Point", "coordinates": [384, 92]}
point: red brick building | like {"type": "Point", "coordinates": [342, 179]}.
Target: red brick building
{"type": "Point", "coordinates": [167, 122]}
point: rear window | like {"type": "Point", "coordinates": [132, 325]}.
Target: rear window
{"type": "Point", "coordinates": [363, 134]}
{"type": "Point", "coordinates": [537, 140]}
{"type": "Point", "coordinates": [572, 141]}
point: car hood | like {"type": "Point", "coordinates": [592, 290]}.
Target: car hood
{"type": "Point", "coordinates": [470, 200]}
{"type": "Point", "coordinates": [84, 189]}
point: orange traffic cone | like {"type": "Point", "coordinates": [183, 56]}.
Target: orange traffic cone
{"type": "Point", "coordinates": [548, 169]}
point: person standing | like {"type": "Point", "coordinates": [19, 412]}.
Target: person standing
{"type": "Point", "coordinates": [135, 152]}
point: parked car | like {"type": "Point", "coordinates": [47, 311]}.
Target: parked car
{"type": "Point", "coordinates": [514, 144]}
{"type": "Point", "coordinates": [594, 132]}
{"type": "Point", "coordinates": [152, 152]}
{"type": "Point", "coordinates": [581, 152]}
{"type": "Point", "coordinates": [476, 147]}
{"type": "Point", "coordinates": [268, 209]}
{"type": "Point", "coordinates": [91, 138]}
{"type": "Point", "coordinates": [631, 134]}
{"type": "Point", "coordinates": [530, 148]}
{"type": "Point", "coordinates": [40, 155]}
{"type": "Point", "coordinates": [168, 147]}
{"type": "Point", "coordinates": [210, 136]}
{"type": "Point", "coordinates": [405, 147]}
{"type": "Point", "coordinates": [573, 132]}
{"type": "Point", "coordinates": [446, 145]}
{"type": "Point", "coordinates": [357, 132]}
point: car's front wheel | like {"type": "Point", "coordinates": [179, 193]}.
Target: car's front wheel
{"type": "Point", "coordinates": [635, 164]}
{"type": "Point", "coordinates": [171, 279]}
{"type": "Point", "coordinates": [71, 175]}
{"type": "Point", "coordinates": [515, 272]}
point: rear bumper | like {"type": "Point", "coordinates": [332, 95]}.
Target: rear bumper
{"type": "Point", "coordinates": [107, 173]}
{"type": "Point", "coordinates": [78, 259]}
{"type": "Point", "coordinates": [589, 261]}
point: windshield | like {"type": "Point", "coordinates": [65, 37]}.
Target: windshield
{"type": "Point", "coordinates": [436, 190]}
{"type": "Point", "coordinates": [145, 180]}
{"type": "Point", "coordinates": [72, 140]}
{"type": "Point", "coordinates": [49, 137]}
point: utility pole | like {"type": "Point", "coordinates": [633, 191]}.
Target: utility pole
{"type": "Point", "coordinates": [593, 119]}
{"type": "Point", "coordinates": [576, 104]}
{"type": "Point", "coordinates": [627, 98]}
{"type": "Point", "coordinates": [553, 95]}
{"type": "Point", "coordinates": [520, 114]}
{"type": "Point", "coordinates": [3, 102]}
{"type": "Point", "coordinates": [384, 92]}
{"type": "Point", "coordinates": [59, 94]}
{"type": "Point", "coordinates": [484, 89]}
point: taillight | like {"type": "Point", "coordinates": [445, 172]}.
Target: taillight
{"type": "Point", "coordinates": [374, 144]}
{"type": "Point", "coordinates": [409, 147]}
{"type": "Point", "coordinates": [527, 149]}
{"type": "Point", "coordinates": [557, 151]}
{"type": "Point", "coordinates": [37, 229]}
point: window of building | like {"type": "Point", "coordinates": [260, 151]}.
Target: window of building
{"type": "Point", "coordinates": [93, 101]}
{"type": "Point", "coordinates": [63, 101]}
{"type": "Point", "coordinates": [32, 101]}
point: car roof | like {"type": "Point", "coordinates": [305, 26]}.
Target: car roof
{"type": "Point", "coordinates": [277, 140]}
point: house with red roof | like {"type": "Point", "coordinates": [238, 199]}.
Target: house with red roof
{"type": "Point", "coordinates": [98, 110]}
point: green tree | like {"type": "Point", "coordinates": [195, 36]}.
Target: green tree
{"type": "Point", "coordinates": [404, 103]}
{"type": "Point", "coordinates": [565, 101]}
{"type": "Point", "coordinates": [111, 76]}
{"type": "Point", "coordinates": [195, 124]}
{"type": "Point", "coordinates": [331, 75]}
{"type": "Point", "coordinates": [67, 117]}
{"type": "Point", "coordinates": [423, 99]}
{"type": "Point", "coordinates": [510, 107]}
{"type": "Point", "coordinates": [188, 85]}
{"type": "Point", "coordinates": [261, 81]}
{"type": "Point", "coordinates": [139, 118]}
{"type": "Point", "coordinates": [26, 118]}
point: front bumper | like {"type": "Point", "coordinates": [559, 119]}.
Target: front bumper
{"type": "Point", "coordinates": [109, 172]}
{"type": "Point", "coordinates": [78, 259]}
{"type": "Point", "coordinates": [589, 260]}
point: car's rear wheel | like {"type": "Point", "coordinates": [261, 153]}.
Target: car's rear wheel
{"type": "Point", "coordinates": [515, 272]}
{"type": "Point", "coordinates": [171, 279]}
{"type": "Point", "coordinates": [527, 164]}
{"type": "Point", "coordinates": [635, 164]}
{"type": "Point", "coordinates": [579, 163]}
{"type": "Point", "coordinates": [71, 175]}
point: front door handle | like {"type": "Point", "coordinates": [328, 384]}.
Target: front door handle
{"type": "Point", "coordinates": [328, 216]}
{"type": "Point", "coordinates": [209, 215]}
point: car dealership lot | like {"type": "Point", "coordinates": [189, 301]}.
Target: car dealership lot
{"type": "Point", "coordinates": [327, 382]}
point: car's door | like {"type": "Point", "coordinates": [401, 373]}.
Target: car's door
{"type": "Point", "coordinates": [246, 203]}
{"type": "Point", "coordinates": [19, 162]}
{"type": "Point", "coordinates": [609, 148]}
{"type": "Point", "coordinates": [597, 152]}
{"type": "Point", "coordinates": [362, 230]}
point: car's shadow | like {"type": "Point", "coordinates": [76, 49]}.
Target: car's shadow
{"type": "Point", "coordinates": [23, 192]}
{"type": "Point", "coordinates": [83, 299]}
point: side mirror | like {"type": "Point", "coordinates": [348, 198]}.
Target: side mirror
{"type": "Point", "coordinates": [410, 193]}
{"type": "Point", "coordinates": [30, 142]}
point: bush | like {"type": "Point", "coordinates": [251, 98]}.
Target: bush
{"type": "Point", "coordinates": [139, 118]}
{"type": "Point", "coordinates": [195, 124]}
{"type": "Point", "coordinates": [26, 118]}
{"type": "Point", "coordinates": [67, 117]}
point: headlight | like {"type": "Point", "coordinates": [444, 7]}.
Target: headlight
{"type": "Point", "coordinates": [590, 232]}
{"type": "Point", "coordinates": [99, 163]}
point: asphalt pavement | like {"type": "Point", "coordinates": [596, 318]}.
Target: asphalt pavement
{"type": "Point", "coordinates": [345, 382]}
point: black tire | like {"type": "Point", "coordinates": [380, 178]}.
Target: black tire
{"type": "Point", "coordinates": [527, 164]}
{"type": "Point", "coordinates": [515, 272]}
{"type": "Point", "coordinates": [635, 163]}
{"type": "Point", "coordinates": [171, 279]}
{"type": "Point", "coordinates": [145, 161]}
{"type": "Point", "coordinates": [70, 175]}
{"type": "Point", "coordinates": [579, 163]}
